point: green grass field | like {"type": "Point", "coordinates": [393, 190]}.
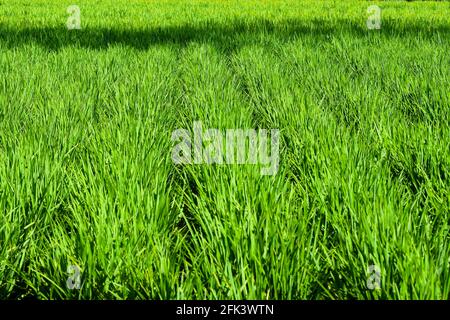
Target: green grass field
{"type": "Point", "coordinates": [87, 178]}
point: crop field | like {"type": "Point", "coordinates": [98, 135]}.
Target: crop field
{"type": "Point", "coordinates": [93, 205]}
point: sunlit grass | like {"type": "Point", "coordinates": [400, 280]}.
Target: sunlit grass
{"type": "Point", "coordinates": [86, 176]}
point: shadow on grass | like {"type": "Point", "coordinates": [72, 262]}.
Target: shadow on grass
{"type": "Point", "coordinates": [232, 34]}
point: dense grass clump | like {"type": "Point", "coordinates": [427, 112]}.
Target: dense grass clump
{"type": "Point", "coordinates": [86, 176]}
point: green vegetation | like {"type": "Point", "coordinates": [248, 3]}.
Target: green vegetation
{"type": "Point", "coordinates": [86, 176]}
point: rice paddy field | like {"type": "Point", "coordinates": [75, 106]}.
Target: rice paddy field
{"type": "Point", "coordinates": [358, 208]}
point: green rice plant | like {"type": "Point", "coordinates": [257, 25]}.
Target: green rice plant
{"type": "Point", "coordinates": [357, 209]}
